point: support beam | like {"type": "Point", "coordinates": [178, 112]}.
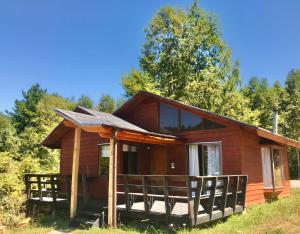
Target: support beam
{"type": "Point", "coordinates": [112, 183]}
{"type": "Point", "coordinates": [74, 186]}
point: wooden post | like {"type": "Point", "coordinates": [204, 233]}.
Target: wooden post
{"type": "Point", "coordinates": [112, 183]}
{"type": "Point", "coordinates": [74, 186]}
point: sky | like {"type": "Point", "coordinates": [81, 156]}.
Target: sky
{"type": "Point", "coordinates": [75, 47]}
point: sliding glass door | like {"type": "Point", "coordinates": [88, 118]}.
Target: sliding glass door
{"type": "Point", "coordinates": [205, 159]}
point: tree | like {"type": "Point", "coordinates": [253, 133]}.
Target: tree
{"type": "Point", "coordinates": [266, 99]}
{"type": "Point", "coordinates": [85, 101]}
{"type": "Point", "coordinates": [107, 104]}
{"type": "Point", "coordinates": [8, 138]}
{"type": "Point", "coordinates": [25, 109]}
{"type": "Point", "coordinates": [44, 122]}
{"type": "Point", "coordinates": [291, 127]}
{"type": "Point", "coordinates": [185, 58]}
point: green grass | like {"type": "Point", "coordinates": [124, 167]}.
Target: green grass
{"type": "Point", "coordinates": [282, 216]}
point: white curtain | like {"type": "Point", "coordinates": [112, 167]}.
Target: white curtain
{"type": "Point", "coordinates": [213, 159]}
{"type": "Point", "coordinates": [266, 164]}
{"type": "Point", "coordinates": [193, 160]}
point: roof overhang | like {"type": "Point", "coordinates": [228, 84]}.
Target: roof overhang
{"type": "Point", "coordinates": [277, 138]}
{"type": "Point", "coordinates": [106, 129]}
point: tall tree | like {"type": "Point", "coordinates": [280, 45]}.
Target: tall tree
{"type": "Point", "coordinates": [25, 109]}
{"type": "Point", "coordinates": [107, 104]}
{"type": "Point", "coordinates": [8, 138]}
{"type": "Point", "coordinates": [185, 58]}
{"type": "Point", "coordinates": [292, 119]}
{"type": "Point", "coordinates": [43, 123]}
{"type": "Point", "coordinates": [265, 99]}
{"type": "Point", "coordinates": [85, 101]}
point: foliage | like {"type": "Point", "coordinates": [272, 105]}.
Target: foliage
{"type": "Point", "coordinates": [8, 138]}
{"type": "Point", "coordinates": [44, 121]}
{"type": "Point", "coordinates": [11, 191]}
{"type": "Point", "coordinates": [107, 104]}
{"type": "Point", "coordinates": [85, 101]}
{"type": "Point", "coordinates": [25, 109]}
{"type": "Point", "coordinates": [265, 99]}
{"type": "Point", "coordinates": [291, 127]}
{"type": "Point", "coordinates": [185, 58]}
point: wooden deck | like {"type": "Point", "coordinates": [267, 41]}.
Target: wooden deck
{"type": "Point", "coordinates": [172, 199]}
{"type": "Point", "coordinates": [187, 199]}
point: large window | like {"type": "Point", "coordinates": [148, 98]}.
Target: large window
{"type": "Point", "coordinates": [168, 119]}
{"type": "Point", "coordinates": [205, 159]}
{"type": "Point", "coordinates": [129, 159]}
{"type": "Point", "coordinates": [272, 164]}
{"type": "Point", "coordinates": [104, 152]}
{"type": "Point", "coordinates": [190, 122]}
{"type": "Point", "coordinates": [173, 120]}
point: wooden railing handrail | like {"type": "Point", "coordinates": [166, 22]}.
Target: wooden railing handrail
{"type": "Point", "coordinates": [211, 188]}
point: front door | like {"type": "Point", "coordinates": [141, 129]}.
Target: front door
{"type": "Point", "coordinates": [159, 161]}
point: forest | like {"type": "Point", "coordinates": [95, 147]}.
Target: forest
{"type": "Point", "coordinates": [184, 58]}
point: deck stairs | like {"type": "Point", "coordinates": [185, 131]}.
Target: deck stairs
{"type": "Point", "coordinates": [88, 218]}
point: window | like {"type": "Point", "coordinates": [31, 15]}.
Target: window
{"type": "Point", "coordinates": [168, 119]}
{"type": "Point", "coordinates": [129, 159]}
{"type": "Point", "coordinates": [205, 159]}
{"type": "Point", "coordinates": [278, 167]}
{"type": "Point", "coordinates": [171, 123]}
{"type": "Point", "coordinates": [104, 152]}
{"type": "Point", "coordinates": [190, 121]}
{"type": "Point", "coordinates": [272, 167]}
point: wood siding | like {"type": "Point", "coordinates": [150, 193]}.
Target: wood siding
{"type": "Point", "coordinates": [241, 153]}
{"type": "Point", "coordinates": [252, 166]}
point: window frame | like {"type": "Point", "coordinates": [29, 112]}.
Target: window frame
{"type": "Point", "coordinates": [179, 120]}
{"type": "Point", "coordinates": [130, 146]}
{"type": "Point", "coordinates": [202, 144]}
{"type": "Point", "coordinates": [271, 155]}
{"type": "Point", "coordinates": [99, 158]}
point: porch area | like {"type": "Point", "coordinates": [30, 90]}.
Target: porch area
{"type": "Point", "coordinates": [190, 200]}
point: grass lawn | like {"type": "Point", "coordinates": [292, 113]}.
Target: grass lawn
{"type": "Point", "coordinates": [282, 216]}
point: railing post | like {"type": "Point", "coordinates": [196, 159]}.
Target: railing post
{"type": "Point", "coordinates": [234, 192]}
{"type": "Point", "coordinates": [52, 181]}
{"type": "Point", "coordinates": [126, 190]}
{"type": "Point", "coordinates": [212, 195]}
{"type": "Point", "coordinates": [243, 190]}
{"type": "Point", "coordinates": [145, 191]}
{"type": "Point", "coordinates": [39, 188]}
{"type": "Point", "coordinates": [166, 195]}
{"type": "Point", "coordinates": [224, 193]}
{"type": "Point", "coordinates": [27, 186]}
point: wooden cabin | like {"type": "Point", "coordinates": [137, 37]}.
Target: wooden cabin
{"type": "Point", "coordinates": [153, 135]}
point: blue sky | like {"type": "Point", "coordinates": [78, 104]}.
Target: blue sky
{"type": "Point", "coordinates": [76, 47]}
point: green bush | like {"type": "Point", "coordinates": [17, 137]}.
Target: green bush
{"type": "Point", "coordinates": [12, 197]}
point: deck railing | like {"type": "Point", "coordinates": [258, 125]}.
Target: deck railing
{"type": "Point", "coordinates": [47, 187]}
{"type": "Point", "coordinates": [193, 199]}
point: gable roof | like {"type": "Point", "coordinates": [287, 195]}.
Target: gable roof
{"type": "Point", "coordinates": [85, 117]}
{"type": "Point", "coordinates": [261, 132]}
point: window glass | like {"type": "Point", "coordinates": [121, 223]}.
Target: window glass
{"type": "Point", "coordinates": [168, 119]}
{"type": "Point", "coordinates": [272, 162]}
{"type": "Point", "coordinates": [207, 158]}
{"type": "Point", "coordinates": [278, 168]}
{"type": "Point", "coordinates": [104, 152]}
{"type": "Point", "coordinates": [190, 121]}
{"type": "Point", "coordinates": [208, 124]}
{"type": "Point", "coordinates": [129, 159]}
